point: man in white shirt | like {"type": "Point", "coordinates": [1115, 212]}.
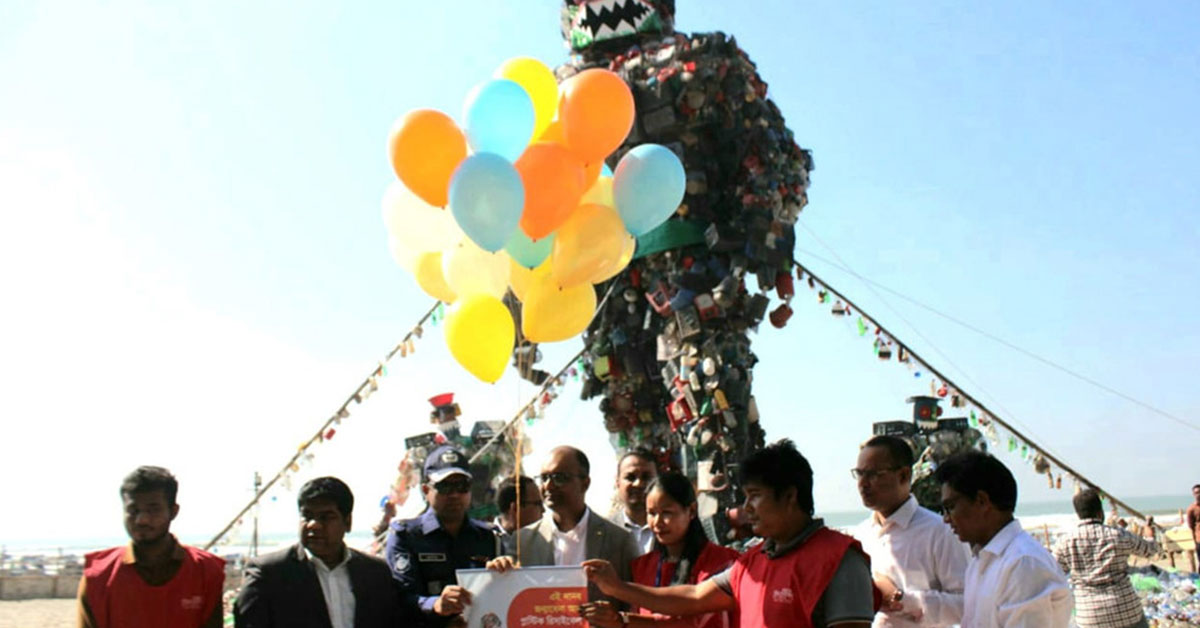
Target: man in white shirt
{"type": "Point", "coordinates": [570, 532]}
{"type": "Point", "coordinates": [918, 562]}
{"type": "Point", "coordinates": [320, 582]}
{"type": "Point", "coordinates": [1012, 581]}
{"type": "Point", "coordinates": [635, 470]}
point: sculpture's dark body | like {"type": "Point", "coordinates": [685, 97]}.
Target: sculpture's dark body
{"type": "Point", "coordinates": [670, 351]}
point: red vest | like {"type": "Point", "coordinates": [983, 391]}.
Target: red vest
{"type": "Point", "coordinates": [713, 559]}
{"type": "Point", "coordinates": [119, 598]}
{"type": "Point", "coordinates": [784, 591]}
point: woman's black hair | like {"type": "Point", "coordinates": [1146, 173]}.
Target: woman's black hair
{"type": "Point", "coordinates": [680, 490]}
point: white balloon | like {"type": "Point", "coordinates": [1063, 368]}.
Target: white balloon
{"type": "Point", "coordinates": [471, 270]}
{"type": "Point", "coordinates": [404, 257]}
{"type": "Point", "coordinates": [416, 225]}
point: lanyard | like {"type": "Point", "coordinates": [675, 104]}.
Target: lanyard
{"type": "Point", "coordinates": [658, 572]}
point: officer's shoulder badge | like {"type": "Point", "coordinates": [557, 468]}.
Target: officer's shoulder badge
{"type": "Point", "coordinates": [401, 563]}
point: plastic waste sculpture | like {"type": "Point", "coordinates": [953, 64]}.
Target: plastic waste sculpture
{"type": "Point", "coordinates": [671, 352]}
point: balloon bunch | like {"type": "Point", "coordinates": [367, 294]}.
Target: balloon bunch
{"type": "Point", "coordinates": [519, 198]}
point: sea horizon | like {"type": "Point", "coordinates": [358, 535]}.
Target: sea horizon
{"type": "Point", "coordinates": [270, 540]}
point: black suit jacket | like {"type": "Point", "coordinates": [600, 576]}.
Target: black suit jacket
{"type": "Point", "coordinates": [281, 590]}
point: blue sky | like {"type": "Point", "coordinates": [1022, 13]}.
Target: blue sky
{"type": "Point", "coordinates": [196, 272]}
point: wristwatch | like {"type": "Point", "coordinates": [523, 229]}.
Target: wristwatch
{"type": "Point", "coordinates": [898, 595]}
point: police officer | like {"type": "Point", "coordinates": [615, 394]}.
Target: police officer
{"type": "Point", "coordinates": [424, 552]}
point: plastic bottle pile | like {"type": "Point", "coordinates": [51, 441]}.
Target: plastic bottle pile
{"type": "Point", "coordinates": [1169, 598]}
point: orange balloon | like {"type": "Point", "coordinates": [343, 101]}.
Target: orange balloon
{"type": "Point", "coordinates": [425, 147]}
{"type": "Point", "coordinates": [591, 172]}
{"type": "Point", "coordinates": [553, 179]}
{"type": "Point", "coordinates": [596, 110]}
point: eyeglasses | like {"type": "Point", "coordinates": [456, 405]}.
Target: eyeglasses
{"type": "Point", "coordinates": [870, 475]}
{"type": "Point", "coordinates": [453, 486]}
{"type": "Point", "coordinates": [559, 478]}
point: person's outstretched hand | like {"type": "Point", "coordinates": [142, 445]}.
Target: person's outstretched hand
{"type": "Point", "coordinates": [602, 573]}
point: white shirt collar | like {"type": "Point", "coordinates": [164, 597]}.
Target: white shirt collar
{"type": "Point", "coordinates": [902, 517]}
{"type": "Point", "coordinates": [630, 523]}
{"type": "Point", "coordinates": [580, 529]}
{"type": "Point", "coordinates": [1001, 540]}
{"type": "Point", "coordinates": [320, 564]}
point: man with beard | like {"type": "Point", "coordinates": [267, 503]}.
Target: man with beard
{"type": "Point", "coordinates": [570, 533]}
{"type": "Point", "coordinates": [919, 564]}
{"type": "Point", "coordinates": [154, 581]}
{"type": "Point", "coordinates": [635, 471]}
{"type": "Point", "coordinates": [320, 582]}
{"type": "Point", "coordinates": [425, 552]}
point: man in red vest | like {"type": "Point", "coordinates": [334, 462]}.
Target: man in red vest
{"type": "Point", "coordinates": [803, 574]}
{"type": "Point", "coordinates": [154, 581]}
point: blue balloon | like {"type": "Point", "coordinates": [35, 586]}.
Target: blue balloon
{"type": "Point", "coordinates": [498, 118]}
{"type": "Point", "coordinates": [486, 198]}
{"type": "Point", "coordinates": [526, 252]}
{"type": "Point", "coordinates": [647, 187]}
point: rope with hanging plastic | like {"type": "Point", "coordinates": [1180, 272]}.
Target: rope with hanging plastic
{"type": "Point", "coordinates": [342, 411]}
{"type": "Point", "coordinates": [978, 404]}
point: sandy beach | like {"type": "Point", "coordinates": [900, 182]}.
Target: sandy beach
{"type": "Point", "coordinates": [38, 614]}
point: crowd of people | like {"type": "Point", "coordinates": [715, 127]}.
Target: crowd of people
{"type": "Point", "coordinates": [649, 562]}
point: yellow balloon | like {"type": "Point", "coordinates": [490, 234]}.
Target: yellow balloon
{"type": "Point", "coordinates": [471, 270]}
{"type": "Point", "coordinates": [480, 334]}
{"type": "Point", "coordinates": [551, 314]}
{"type": "Point", "coordinates": [600, 193]}
{"type": "Point", "coordinates": [520, 278]}
{"type": "Point", "coordinates": [538, 81]}
{"type": "Point", "coordinates": [589, 242]}
{"type": "Point", "coordinates": [428, 271]}
{"type": "Point", "coordinates": [628, 247]}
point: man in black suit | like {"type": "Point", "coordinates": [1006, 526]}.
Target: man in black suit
{"type": "Point", "coordinates": [320, 582]}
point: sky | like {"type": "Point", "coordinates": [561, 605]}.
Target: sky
{"type": "Point", "coordinates": [195, 273]}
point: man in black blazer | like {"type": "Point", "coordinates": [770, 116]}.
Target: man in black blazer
{"type": "Point", "coordinates": [320, 582]}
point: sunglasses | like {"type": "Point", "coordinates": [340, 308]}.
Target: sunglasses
{"type": "Point", "coordinates": [453, 486]}
{"type": "Point", "coordinates": [558, 478]}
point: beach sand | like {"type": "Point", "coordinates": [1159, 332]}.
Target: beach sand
{"type": "Point", "coordinates": [38, 614]}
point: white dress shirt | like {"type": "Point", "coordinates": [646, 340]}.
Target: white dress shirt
{"type": "Point", "coordinates": [335, 586]}
{"type": "Point", "coordinates": [923, 558]}
{"type": "Point", "coordinates": [570, 547]}
{"type": "Point", "coordinates": [643, 537]}
{"type": "Point", "coordinates": [1014, 582]}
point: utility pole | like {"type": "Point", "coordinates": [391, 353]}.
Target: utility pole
{"type": "Point", "coordinates": [254, 538]}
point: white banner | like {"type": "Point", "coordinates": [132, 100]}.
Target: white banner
{"type": "Point", "coordinates": [530, 597]}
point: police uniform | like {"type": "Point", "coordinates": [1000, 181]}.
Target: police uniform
{"type": "Point", "coordinates": [423, 556]}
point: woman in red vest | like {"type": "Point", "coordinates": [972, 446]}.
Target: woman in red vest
{"type": "Point", "coordinates": [682, 554]}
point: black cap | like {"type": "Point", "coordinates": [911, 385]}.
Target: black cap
{"type": "Point", "coordinates": [444, 462]}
